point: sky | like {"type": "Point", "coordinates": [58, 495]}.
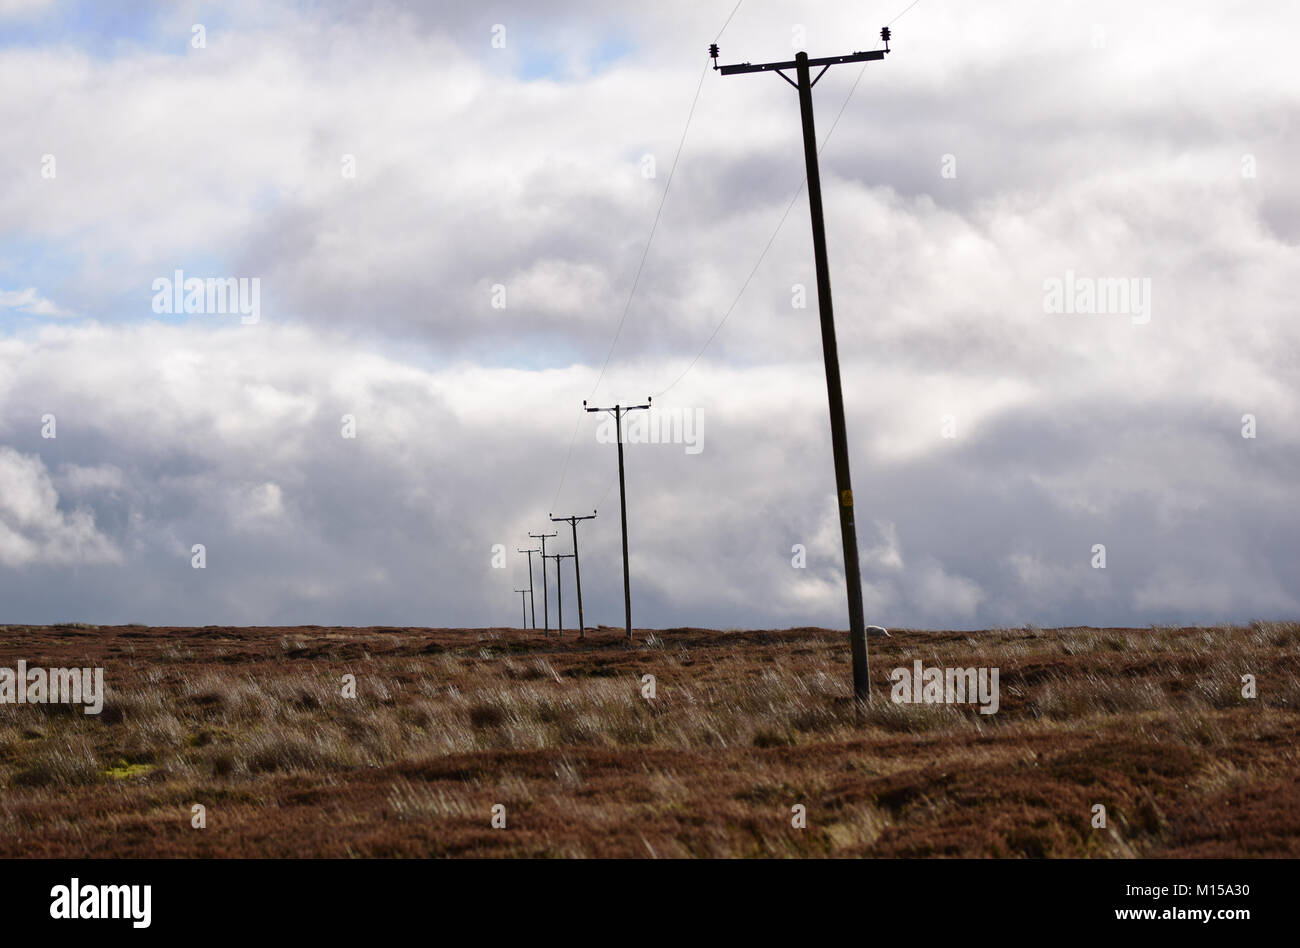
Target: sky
{"type": "Point", "coordinates": [1063, 250]}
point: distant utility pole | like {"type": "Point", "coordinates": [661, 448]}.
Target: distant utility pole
{"type": "Point", "coordinates": [559, 587]}
{"type": "Point", "coordinates": [577, 571]}
{"type": "Point", "coordinates": [830, 353]}
{"type": "Point", "coordinates": [531, 600]}
{"type": "Point", "coordinates": [523, 607]}
{"type": "Point", "coordinates": [546, 609]}
{"type": "Point", "coordinates": [618, 411]}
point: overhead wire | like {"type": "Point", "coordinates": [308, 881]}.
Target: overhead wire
{"type": "Point", "coordinates": [779, 224]}
{"type": "Point", "coordinates": [645, 252]}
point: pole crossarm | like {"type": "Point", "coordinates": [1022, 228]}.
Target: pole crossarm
{"type": "Point", "coordinates": [827, 62]}
{"type": "Point", "coordinates": [619, 408]}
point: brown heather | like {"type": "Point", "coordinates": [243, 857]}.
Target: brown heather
{"type": "Point", "coordinates": [250, 722]}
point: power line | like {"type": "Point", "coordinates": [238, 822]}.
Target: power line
{"type": "Point", "coordinates": [744, 286]}
{"type": "Point", "coordinates": [770, 240]}
{"type": "Point", "coordinates": [728, 23]}
{"type": "Point", "coordinates": [612, 482]}
{"type": "Point", "coordinates": [636, 279]}
{"type": "Point", "coordinates": [900, 16]}
{"type": "Point", "coordinates": [568, 454]}
{"type": "Point", "coordinates": [564, 468]}
{"type": "Point", "coordinates": [779, 224]}
{"type": "Point", "coordinates": [753, 271]}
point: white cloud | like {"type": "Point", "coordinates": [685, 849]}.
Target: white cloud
{"type": "Point", "coordinates": [33, 529]}
{"type": "Point", "coordinates": [29, 301]}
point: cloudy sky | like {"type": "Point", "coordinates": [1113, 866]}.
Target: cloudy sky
{"type": "Point", "coordinates": [448, 210]}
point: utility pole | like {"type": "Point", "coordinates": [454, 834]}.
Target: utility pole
{"type": "Point", "coordinates": [531, 600]}
{"type": "Point", "coordinates": [618, 411]}
{"type": "Point", "coordinates": [577, 571]}
{"type": "Point", "coordinates": [546, 608]}
{"type": "Point", "coordinates": [523, 608]}
{"type": "Point", "coordinates": [559, 587]}
{"type": "Point", "coordinates": [830, 353]}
